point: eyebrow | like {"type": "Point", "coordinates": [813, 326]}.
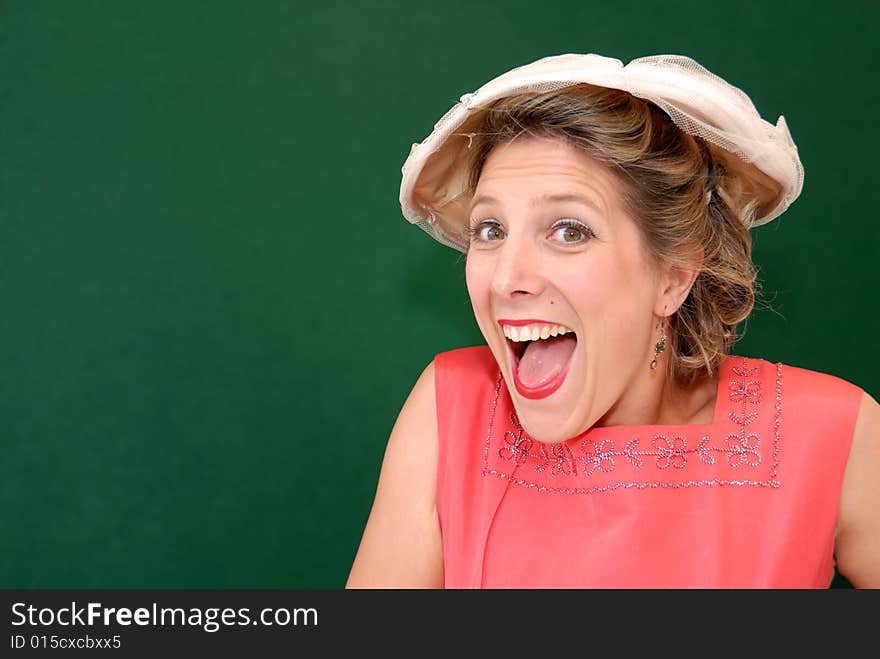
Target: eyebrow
{"type": "Point", "coordinates": [541, 199]}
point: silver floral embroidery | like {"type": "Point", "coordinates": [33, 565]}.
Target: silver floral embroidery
{"type": "Point", "coordinates": [516, 447]}
{"type": "Point", "coordinates": [745, 391]}
{"type": "Point", "coordinates": [672, 452]}
{"type": "Point", "coordinates": [601, 456]}
{"type": "Point", "coordinates": [743, 450]}
{"type": "Point", "coordinates": [742, 447]}
{"type": "Point", "coordinates": [559, 458]}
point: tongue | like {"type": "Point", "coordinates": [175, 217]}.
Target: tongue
{"type": "Point", "coordinates": [544, 359]}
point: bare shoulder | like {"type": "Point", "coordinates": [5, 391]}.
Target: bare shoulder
{"type": "Point", "coordinates": [857, 547]}
{"type": "Point", "coordinates": [401, 545]}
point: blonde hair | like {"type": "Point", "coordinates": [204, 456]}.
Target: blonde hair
{"type": "Point", "coordinates": [679, 193]}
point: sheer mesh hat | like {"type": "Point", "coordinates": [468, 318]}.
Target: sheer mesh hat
{"type": "Point", "coordinates": [433, 190]}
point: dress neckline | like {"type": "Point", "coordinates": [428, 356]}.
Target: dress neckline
{"type": "Point", "coordinates": [739, 447]}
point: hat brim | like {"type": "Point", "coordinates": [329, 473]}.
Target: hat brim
{"type": "Point", "coordinates": [434, 185]}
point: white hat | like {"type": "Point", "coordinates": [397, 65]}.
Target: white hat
{"type": "Point", "coordinates": [433, 191]}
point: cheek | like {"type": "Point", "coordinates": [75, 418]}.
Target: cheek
{"type": "Point", "coordinates": [476, 279]}
{"type": "Point", "coordinates": [478, 283]}
{"type": "Point", "coordinates": [607, 293]}
{"type": "Point", "coordinates": [592, 287]}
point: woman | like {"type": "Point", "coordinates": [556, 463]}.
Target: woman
{"type": "Point", "coordinates": [605, 436]}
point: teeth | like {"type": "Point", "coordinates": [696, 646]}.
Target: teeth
{"type": "Point", "coordinates": [533, 332]}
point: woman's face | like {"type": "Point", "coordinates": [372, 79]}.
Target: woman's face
{"type": "Point", "coordinates": [554, 252]}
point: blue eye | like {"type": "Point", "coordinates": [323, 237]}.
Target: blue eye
{"type": "Point", "coordinates": [572, 232]}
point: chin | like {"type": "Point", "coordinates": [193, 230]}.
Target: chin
{"type": "Point", "coordinates": [549, 430]}
{"type": "Point", "coordinates": [547, 419]}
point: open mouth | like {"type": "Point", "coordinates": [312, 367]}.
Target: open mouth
{"type": "Point", "coordinates": [539, 359]}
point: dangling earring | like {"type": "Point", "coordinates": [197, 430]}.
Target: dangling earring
{"type": "Point", "coordinates": [660, 346]}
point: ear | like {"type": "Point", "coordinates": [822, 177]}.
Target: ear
{"type": "Point", "coordinates": [676, 281]}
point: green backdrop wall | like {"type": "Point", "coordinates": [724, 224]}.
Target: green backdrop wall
{"type": "Point", "coordinates": [212, 308]}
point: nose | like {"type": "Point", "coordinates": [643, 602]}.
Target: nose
{"type": "Point", "coordinates": [517, 270]}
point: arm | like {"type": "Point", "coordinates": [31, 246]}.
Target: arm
{"type": "Point", "coordinates": [401, 546]}
{"type": "Point", "coordinates": [857, 545]}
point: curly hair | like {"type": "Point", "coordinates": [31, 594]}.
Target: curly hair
{"type": "Point", "coordinates": [678, 190]}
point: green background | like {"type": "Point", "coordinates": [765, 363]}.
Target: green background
{"type": "Point", "coordinates": [212, 308]}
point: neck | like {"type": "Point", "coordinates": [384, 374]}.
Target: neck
{"type": "Point", "coordinates": [654, 399]}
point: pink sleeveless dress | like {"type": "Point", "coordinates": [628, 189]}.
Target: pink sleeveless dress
{"type": "Point", "coordinates": [748, 501]}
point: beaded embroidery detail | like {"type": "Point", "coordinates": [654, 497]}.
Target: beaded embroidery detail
{"type": "Point", "coordinates": [666, 455]}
